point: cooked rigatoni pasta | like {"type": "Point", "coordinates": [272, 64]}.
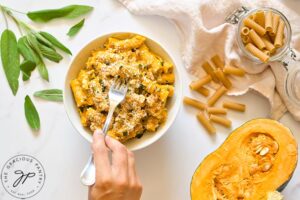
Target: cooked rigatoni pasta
{"type": "Point", "coordinates": [216, 96]}
{"type": "Point", "coordinates": [215, 110]}
{"type": "Point", "coordinates": [217, 61]}
{"type": "Point", "coordinates": [234, 106]}
{"type": "Point", "coordinates": [252, 24]}
{"type": "Point", "coordinates": [234, 71]}
{"type": "Point", "coordinates": [199, 83]}
{"type": "Point", "coordinates": [257, 52]}
{"type": "Point", "coordinates": [256, 39]}
{"type": "Point", "coordinates": [226, 82]}
{"type": "Point", "coordinates": [209, 70]}
{"type": "Point", "coordinates": [220, 120]}
{"type": "Point", "coordinates": [206, 123]}
{"type": "Point", "coordinates": [127, 44]}
{"type": "Point", "coordinates": [195, 103]}
{"type": "Point", "coordinates": [150, 81]}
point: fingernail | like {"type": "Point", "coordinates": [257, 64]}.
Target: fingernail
{"type": "Point", "coordinates": [99, 132]}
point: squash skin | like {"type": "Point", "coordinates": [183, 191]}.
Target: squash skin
{"type": "Point", "coordinates": [202, 181]}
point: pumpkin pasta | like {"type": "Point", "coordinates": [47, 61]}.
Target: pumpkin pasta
{"type": "Point", "coordinates": [150, 81]}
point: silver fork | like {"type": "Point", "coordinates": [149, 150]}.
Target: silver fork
{"type": "Point", "coordinates": [116, 94]}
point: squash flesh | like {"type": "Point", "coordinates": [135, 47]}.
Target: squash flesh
{"type": "Point", "coordinates": [242, 168]}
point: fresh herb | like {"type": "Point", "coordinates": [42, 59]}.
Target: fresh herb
{"type": "Point", "coordinates": [10, 59]}
{"type": "Point", "coordinates": [27, 67]}
{"type": "Point", "coordinates": [43, 41]}
{"type": "Point", "coordinates": [82, 109]}
{"type": "Point", "coordinates": [25, 50]}
{"type": "Point", "coordinates": [125, 133]}
{"type": "Point", "coordinates": [103, 112]}
{"type": "Point", "coordinates": [33, 46]}
{"type": "Point", "coordinates": [51, 95]}
{"type": "Point", "coordinates": [68, 12]}
{"type": "Point", "coordinates": [103, 88]}
{"type": "Point", "coordinates": [140, 89]}
{"type": "Point", "coordinates": [76, 28]}
{"type": "Point", "coordinates": [32, 116]}
{"type": "Point", "coordinates": [49, 53]}
{"type": "Point", "coordinates": [33, 43]}
{"type": "Point", "coordinates": [139, 135]}
{"type": "Point", "coordinates": [55, 42]}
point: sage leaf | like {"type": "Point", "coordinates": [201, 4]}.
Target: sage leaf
{"type": "Point", "coordinates": [76, 28]}
{"type": "Point", "coordinates": [69, 12]}
{"type": "Point", "coordinates": [55, 42]}
{"type": "Point", "coordinates": [32, 41]}
{"type": "Point", "coordinates": [50, 53]}
{"type": "Point", "coordinates": [31, 114]}
{"type": "Point", "coordinates": [34, 44]}
{"type": "Point", "coordinates": [25, 50]}
{"type": "Point", "coordinates": [27, 67]}
{"type": "Point", "coordinates": [42, 69]}
{"type": "Point", "coordinates": [10, 59]}
{"type": "Point", "coordinates": [51, 95]}
{"type": "Point", "coordinates": [43, 40]}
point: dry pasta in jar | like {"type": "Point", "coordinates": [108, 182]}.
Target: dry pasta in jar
{"type": "Point", "coordinates": [264, 34]}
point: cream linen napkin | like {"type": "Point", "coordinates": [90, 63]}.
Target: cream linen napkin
{"type": "Point", "coordinates": [204, 33]}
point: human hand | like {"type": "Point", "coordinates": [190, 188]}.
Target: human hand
{"type": "Point", "coordinates": [116, 180]}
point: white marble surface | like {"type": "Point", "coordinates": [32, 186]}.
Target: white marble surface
{"type": "Point", "coordinates": [165, 167]}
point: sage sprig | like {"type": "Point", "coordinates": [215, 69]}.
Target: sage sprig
{"type": "Point", "coordinates": [68, 12]}
{"type": "Point", "coordinates": [34, 46]}
{"type": "Point", "coordinates": [32, 116]}
{"type": "Point", "coordinates": [76, 28]}
{"type": "Point", "coordinates": [50, 95]}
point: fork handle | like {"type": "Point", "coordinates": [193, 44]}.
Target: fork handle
{"type": "Point", "coordinates": [108, 118]}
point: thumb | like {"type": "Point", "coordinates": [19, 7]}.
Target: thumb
{"type": "Point", "coordinates": [100, 151]}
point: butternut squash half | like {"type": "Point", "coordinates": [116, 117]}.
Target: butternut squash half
{"type": "Point", "coordinates": [257, 158]}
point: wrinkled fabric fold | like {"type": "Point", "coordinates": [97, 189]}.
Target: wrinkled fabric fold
{"type": "Point", "coordinates": [202, 27]}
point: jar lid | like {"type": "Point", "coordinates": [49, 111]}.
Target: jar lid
{"type": "Point", "coordinates": [292, 82]}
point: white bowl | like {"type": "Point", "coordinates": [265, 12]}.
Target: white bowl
{"type": "Point", "coordinates": [78, 63]}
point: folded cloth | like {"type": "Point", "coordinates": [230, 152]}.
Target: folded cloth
{"type": "Point", "coordinates": [204, 32]}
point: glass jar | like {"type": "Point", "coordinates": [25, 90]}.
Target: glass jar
{"type": "Point", "coordinates": [285, 55]}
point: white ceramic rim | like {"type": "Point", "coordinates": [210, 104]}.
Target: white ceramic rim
{"type": "Point", "coordinates": [177, 93]}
